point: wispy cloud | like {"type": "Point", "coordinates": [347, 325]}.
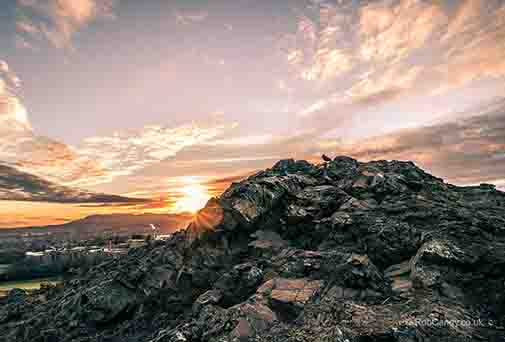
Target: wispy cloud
{"type": "Point", "coordinates": [390, 31]}
{"type": "Point", "coordinates": [466, 149]}
{"type": "Point", "coordinates": [184, 16]}
{"type": "Point", "coordinates": [100, 160]}
{"type": "Point", "coordinates": [127, 152]}
{"type": "Point", "coordinates": [357, 51]}
{"type": "Point", "coordinates": [58, 20]}
{"type": "Point", "coordinates": [13, 117]}
{"type": "Point", "coordinates": [95, 160]}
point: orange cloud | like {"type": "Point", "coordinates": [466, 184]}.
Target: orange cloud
{"type": "Point", "coordinates": [402, 47]}
{"type": "Point", "coordinates": [58, 20]}
{"type": "Point", "coordinates": [393, 32]}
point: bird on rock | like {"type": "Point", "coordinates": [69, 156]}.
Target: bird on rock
{"type": "Point", "coordinates": [326, 158]}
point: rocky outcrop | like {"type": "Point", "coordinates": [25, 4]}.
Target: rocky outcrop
{"type": "Point", "coordinates": [343, 251]}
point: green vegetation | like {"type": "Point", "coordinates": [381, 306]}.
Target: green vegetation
{"type": "Point", "coordinates": [32, 284]}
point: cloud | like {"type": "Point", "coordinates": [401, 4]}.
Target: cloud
{"type": "Point", "coordinates": [13, 115]}
{"type": "Point", "coordinates": [357, 50]}
{"type": "Point", "coordinates": [185, 16]}
{"type": "Point", "coordinates": [99, 160]}
{"type": "Point", "coordinates": [58, 20]}
{"type": "Point", "coordinates": [15, 127]}
{"type": "Point", "coordinates": [127, 152]}
{"type": "Point", "coordinates": [392, 80]}
{"type": "Point", "coordinates": [95, 160]}
{"type": "Point", "coordinates": [20, 146]}
{"type": "Point", "coordinates": [474, 43]}
{"type": "Point", "coordinates": [354, 56]}
{"type": "Point", "coordinates": [217, 186]}
{"type": "Point", "coordinates": [393, 30]}
{"type": "Point", "coordinates": [466, 150]}
{"type": "Point", "coordinates": [209, 159]}
{"type": "Point", "coordinates": [319, 49]}
{"type": "Point", "coordinates": [16, 185]}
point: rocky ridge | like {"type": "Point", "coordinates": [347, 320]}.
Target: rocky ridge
{"type": "Point", "coordinates": [342, 251]}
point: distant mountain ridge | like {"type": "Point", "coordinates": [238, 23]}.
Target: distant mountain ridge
{"type": "Point", "coordinates": [112, 223]}
{"type": "Point", "coordinates": [166, 223]}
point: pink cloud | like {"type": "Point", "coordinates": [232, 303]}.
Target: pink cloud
{"type": "Point", "coordinates": [66, 17]}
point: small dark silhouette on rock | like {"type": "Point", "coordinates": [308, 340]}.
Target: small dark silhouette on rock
{"type": "Point", "coordinates": [326, 158]}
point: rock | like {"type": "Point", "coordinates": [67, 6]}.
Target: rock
{"type": "Point", "coordinates": [340, 220]}
{"type": "Point", "coordinates": [389, 241]}
{"type": "Point", "coordinates": [399, 276]}
{"type": "Point", "coordinates": [290, 295]}
{"type": "Point", "coordinates": [292, 166]}
{"type": "Point", "coordinates": [360, 273]}
{"type": "Point", "coordinates": [211, 297]}
{"type": "Point", "coordinates": [238, 284]}
{"type": "Point", "coordinates": [267, 243]}
{"type": "Point", "coordinates": [16, 296]}
{"type": "Point", "coordinates": [253, 199]}
{"type": "Point", "coordinates": [315, 202]}
{"type": "Point", "coordinates": [50, 335]}
{"type": "Point", "coordinates": [243, 331]}
{"type": "Point", "coordinates": [103, 303]}
{"type": "Point", "coordinates": [158, 278]}
{"type": "Point", "coordinates": [253, 319]}
{"type": "Point", "coordinates": [354, 204]}
{"type": "Point", "coordinates": [175, 335]}
{"type": "Point", "coordinates": [434, 258]}
{"type": "Point", "coordinates": [342, 251]}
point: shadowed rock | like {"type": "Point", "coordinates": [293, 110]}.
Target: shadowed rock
{"type": "Point", "coordinates": [342, 251]}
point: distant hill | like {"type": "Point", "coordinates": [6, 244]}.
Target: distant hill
{"type": "Point", "coordinates": [117, 224]}
{"type": "Point", "coordinates": [167, 223]}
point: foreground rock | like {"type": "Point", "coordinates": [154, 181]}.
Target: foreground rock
{"type": "Point", "coordinates": [346, 251]}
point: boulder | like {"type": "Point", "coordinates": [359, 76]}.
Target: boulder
{"type": "Point", "coordinates": [266, 243]}
{"type": "Point", "coordinates": [101, 303]}
{"type": "Point", "coordinates": [436, 259]}
{"type": "Point", "coordinates": [253, 319]}
{"type": "Point", "coordinates": [399, 276]}
{"type": "Point", "coordinates": [238, 284]}
{"type": "Point", "coordinates": [289, 296]}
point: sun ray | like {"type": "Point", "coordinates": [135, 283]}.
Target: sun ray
{"type": "Point", "coordinates": [194, 197]}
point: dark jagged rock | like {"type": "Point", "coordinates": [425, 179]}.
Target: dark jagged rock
{"type": "Point", "coordinates": [342, 251]}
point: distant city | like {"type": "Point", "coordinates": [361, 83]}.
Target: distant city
{"type": "Point", "coordinates": [55, 252]}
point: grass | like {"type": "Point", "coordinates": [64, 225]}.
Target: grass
{"type": "Point", "coordinates": [26, 284]}
{"type": "Point", "coordinates": [4, 267]}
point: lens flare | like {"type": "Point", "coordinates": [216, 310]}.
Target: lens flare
{"type": "Point", "coordinates": [194, 197]}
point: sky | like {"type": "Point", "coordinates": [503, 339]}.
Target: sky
{"type": "Point", "coordinates": [172, 100]}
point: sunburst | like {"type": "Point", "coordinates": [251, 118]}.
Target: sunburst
{"type": "Point", "coordinates": [194, 197]}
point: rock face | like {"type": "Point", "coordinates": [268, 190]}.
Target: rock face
{"type": "Point", "coordinates": [346, 251]}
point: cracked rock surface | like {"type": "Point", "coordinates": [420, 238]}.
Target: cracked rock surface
{"type": "Point", "coordinates": [343, 251]}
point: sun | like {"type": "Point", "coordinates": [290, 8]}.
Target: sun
{"type": "Point", "coordinates": [194, 197]}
